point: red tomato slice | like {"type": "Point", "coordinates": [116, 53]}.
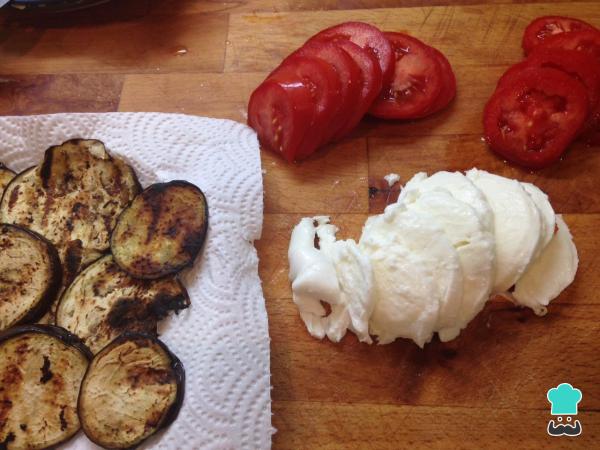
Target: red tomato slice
{"type": "Point", "coordinates": [371, 84]}
{"type": "Point", "coordinates": [532, 120]}
{"type": "Point", "coordinates": [587, 41]}
{"type": "Point", "coordinates": [366, 36]}
{"type": "Point", "coordinates": [281, 116]}
{"type": "Point", "coordinates": [573, 63]}
{"type": "Point", "coordinates": [350, 81]}
{"type": "Point", "coordinates": [325, 89]}
{"type": "Point", "coordinates": [544, 27]}
{"type": "Point", "coordinates": [416, 84]}
{"type": "Point", "coordinates": [448, 91]}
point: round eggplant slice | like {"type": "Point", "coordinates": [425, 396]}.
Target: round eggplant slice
{"type": "Point", "coordinates": [5, 176]}
{"type": "Point", "coordinates": [132, 388]}
{"type": "Point", "coordinates": [30, 275]}
{"type": "Point", "coordinates": [73, 199]}
{"type": "Point", "coordinates": [41, 369]}
{"type": "Point", "coordinates": [162, 231]}
{"type": "Point", "coordinates": [104, 301]}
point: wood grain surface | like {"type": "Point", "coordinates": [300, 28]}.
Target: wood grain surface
{"type": "Point", "coordinates": [487, 389]}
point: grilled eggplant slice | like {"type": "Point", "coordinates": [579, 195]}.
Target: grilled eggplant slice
{"type": "Point", "coordinates": [104, 301]}
{"type": "Point", "coordinates": [5, 176]}
{"type": "Point", "coordinates": [73, 199]}
{"type": "Point", "coordinates": [132, 388]}
{"type": "Point", "coordinates": [30, 275]}
{"type": "Point", "coordinates": [41, 369]}
{"type": "Point", "coordinates": [162, 231]}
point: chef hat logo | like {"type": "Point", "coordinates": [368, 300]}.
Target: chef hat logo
{"type": "Point", "coordinates": [564, 399]}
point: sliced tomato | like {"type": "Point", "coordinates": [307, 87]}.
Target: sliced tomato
{"type": "Point", "coordinates": [543, 27]}
{"type": "Point", "coordinates": [281, 115]}
{"type": "Point", "coordinates": [586, 41]}
{"type": "Point", "coordinates": [366, 36]}
{"type": "Point", "coordinates": [532, 120]}
{"type": "Point", "coordinates": [372, 82]}
{"type": "Point", "coordinates": [448, 91]}
{"type": "Point", "coordinates": [576, 64]}
{"type": "Point", "coordinates": [416, 84]}
{"type": "Point", "coordinates": [325, 89]}
{"type": "Point", "coordinates": [349, 76]}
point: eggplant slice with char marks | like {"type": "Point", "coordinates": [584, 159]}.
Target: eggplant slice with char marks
{"type": "Point", "coordinates": [132, 388]}
{"type": "Point", "coordinates": [162, 231]}
{"type": "Point", "coordinates": [73, 199]}
{"type": "Point", "coordinates": [5, 176]}
{"type": "Point", "coordinates": [105, 301]}
{"type": "Point", "coordinates": [30, 275]}
{"type": "Point", "coordinates": [41, 369]}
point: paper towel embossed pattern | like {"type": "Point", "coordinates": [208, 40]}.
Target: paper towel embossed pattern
{"type": "Point", "coordinates": [222, 339]}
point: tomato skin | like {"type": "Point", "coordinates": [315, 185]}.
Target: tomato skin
{"type": "Point", "coordinates": [417, 81]}
{"type": "Point", "coordinates": [448, 90]}
{"type": "Point", "coordinates": [281, 116]}
{"type": "Point", "coordinates": [533, 120]}
{"type": "Point", "coordinates": [587, 41]}
{"type": "Point", "coordinates": [372, 82]}
{"type": "Point", "coordinates": [324, 86]}
{"type": "Point", "coordinates": [544, 27]}
{"type": "Point", "coordinates": [365, 36]}
{"type": "Point", "coordinates": [349, 77]}
{"type": "Point", "coordinates": [574, 63]}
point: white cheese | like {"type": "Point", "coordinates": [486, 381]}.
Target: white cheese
{"type": "Point", "coordinates": [460, 187]}
{"type": "Point", "coordinates": [517, 226]}
{"type": "Point", "coordinates": [392, 179]}
{"type": "Point", "coordinates": [337, 273]}
{"type": "Point", "coordinates": [416, 273]}
{"type": "Point", "coordinates": [552, 272]}
{"type": "Point", "coordinates": [547, 216]}
{"type": "Point", "coordinates": [474, 245]}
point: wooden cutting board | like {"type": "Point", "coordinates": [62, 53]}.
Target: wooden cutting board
{"type": "Point", "coordinates": [487, 389]}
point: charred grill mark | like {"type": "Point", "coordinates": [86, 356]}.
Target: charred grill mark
{"type": "Point", "coordinates": [140, 376]}
{"type": "Point", "coordinates": [46, 372]}
{"type": "Point", "coordinates": [5, 407]}
{"type": "Point", "coordinates": [165, 302]}
{"type": "Point", "coordinates": [12, 376]}
{"type": "Point", "coordinates": [46, 168]}
{"type": "Point", "coordinates": [126, 312]}
{"type": "Point", "coordinates": [73, 257]}
{"type": "Point", "coordinates": [61, 418]}
{"type": "Point", "coordinates": [10, 437]}
{"type": "Point", "coordinates": [14, 196]}
{"type": "Point", "coordinates": [192, 243]}
{"type": "Point", "coordinates": [23, 427]}
{"type": "Point", "coordinates": [154, 202]}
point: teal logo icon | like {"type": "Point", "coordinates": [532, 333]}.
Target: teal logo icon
{"type": "Point", "coordinates": [564, 399]}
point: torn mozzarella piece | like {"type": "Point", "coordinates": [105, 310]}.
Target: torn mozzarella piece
{"type": "Point", "coordinates": [460, 187]}
{"type": "Point", "coordinates": [474, 245]}
{"type": "Point", "coordinates": [392, 179]}
{"type": "Point", "coordinates": [551, 273]}
{"type": "Point", "coordinates": [416, 273]}
{"type": "Point", "coordinates": [547, 215]}
{"type": "Point", "coordinates": [337, 274]}
{"type": "Point", "coordinates": [517, 226]}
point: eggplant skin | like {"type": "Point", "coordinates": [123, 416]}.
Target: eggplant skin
{"type": "Point", "coordinates": [104, 301]}
{"type": "Point", "coordinates": [73, 199]}
{"type": "Point", "coordinates": [41, 370]}
{"type": "Point", "coordinates": [30, 275]}
{"type": "Point", "coordinates": [6, 175]}
{"type": "Point", "coordinates": [147, 379]}
{"type": "Point", "coordinates": [162, 231]}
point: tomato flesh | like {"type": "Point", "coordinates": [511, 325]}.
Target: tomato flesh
{"type": "Point", "coordinates": [448, 90]}
{"type": "Point", "coordinates": [349, 79]}
{"type": "Point", "coordinates": [544, 27]}
{"type": "Point", "coordinates": [416, 84]}
{"type": "Point", "coordinates": [586, 41]}
{"type": "Point", "coordinates": [281, 116]}
{"type": "Point", "coordinates": [532, 120]}
{"type": "Point", "coordinates": [325, 89]}
{"type": "Point", "coordinates": [365, 36]}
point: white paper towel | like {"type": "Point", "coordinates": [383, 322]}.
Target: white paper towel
{"type": "Point", "coordinates": [222, 339]}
